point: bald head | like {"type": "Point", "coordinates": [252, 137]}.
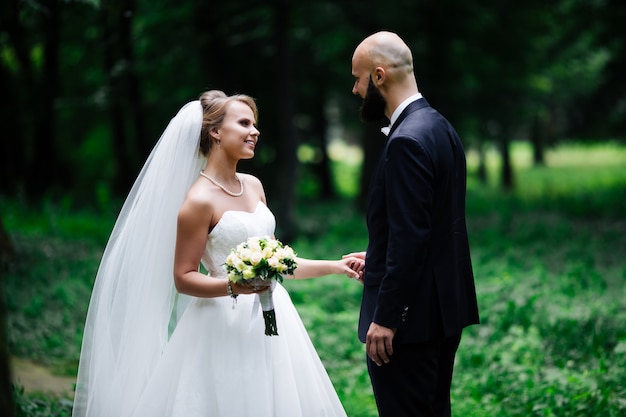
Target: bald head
{"type": "Point", "coordinates": [386, 50]}
{"type": "Point", "coordinates": [383, 64]}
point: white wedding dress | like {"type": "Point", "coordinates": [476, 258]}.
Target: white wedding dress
{"type": "Point", "coordinates": [219, 362]}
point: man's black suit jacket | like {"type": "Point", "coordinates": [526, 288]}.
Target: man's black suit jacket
{"type": "Point", "coordinates": [418, 273]}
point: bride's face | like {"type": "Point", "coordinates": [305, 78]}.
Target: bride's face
{"type": "Point", "coordinates": [238, 134]}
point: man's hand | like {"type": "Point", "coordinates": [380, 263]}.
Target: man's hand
{"type": "Point", "coordinates": [357, 264]}
{"type": "Point", "coordinates": [378, 343]}
{"type": "Point", "coordinates": [353, 267]}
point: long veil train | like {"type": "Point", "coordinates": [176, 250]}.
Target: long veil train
{"type": "Point", "coordinates": [133, 295]}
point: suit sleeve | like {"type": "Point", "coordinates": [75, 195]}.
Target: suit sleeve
{"type": "Point", "coordinates": [408, 177]}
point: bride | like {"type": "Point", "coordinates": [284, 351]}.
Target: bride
{"type": "Point", "coordinates": [164, 339]}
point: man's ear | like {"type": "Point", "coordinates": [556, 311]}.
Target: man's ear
{"type": "Point", "coordinates": [379, 76]}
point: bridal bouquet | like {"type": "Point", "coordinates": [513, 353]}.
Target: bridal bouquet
{"type": "Point", "coordinates": [261, 261]}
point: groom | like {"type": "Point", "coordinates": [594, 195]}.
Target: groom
{"type": "Point", "coordinates": [418, 282]}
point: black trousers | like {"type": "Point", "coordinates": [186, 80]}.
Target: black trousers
{"type": "Point", "coordinates": [416, 381]}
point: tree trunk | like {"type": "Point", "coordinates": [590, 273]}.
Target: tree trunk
{"type": "Point", "coordinates": [538, 139]}
{"type": "Point", "coordinates": [288, 144]}
{"type": "Point", "coordinates": [9, 145]}
{"type": "Point", "coordinates": [114, 24]}
{"type": "Point", "coordinates": [321, 169]}
{"type": "Point", "coordinates": [7, 406]}
{"type": "Point", "coordinates": [18, 100]}
{"type": "Point", "coordinates": [507, 169]}
{"type": "Point", "coordinates": [45, 149]}
{"type": "Point", "coordinates": [6, 247]}
{"type": "Point", "coordinates": [482, 164]}
{"type": "Point", "coordinates": [12, 145]}
{"type": "Point", "coordinates": [135, 103]}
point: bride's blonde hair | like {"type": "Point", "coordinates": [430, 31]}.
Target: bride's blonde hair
{"type": "Point", "coordinates": [215, 103]}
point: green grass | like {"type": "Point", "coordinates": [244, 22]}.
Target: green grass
{"type": "Point", "coordinates": [578, 179]}
{"type": "Point", "coordinates": [550, 269]}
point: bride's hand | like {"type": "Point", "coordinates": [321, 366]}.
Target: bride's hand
{"type": "Point", "coordinates": [249, 288]}
{"type": "Point", "coordinates": [353, 267]}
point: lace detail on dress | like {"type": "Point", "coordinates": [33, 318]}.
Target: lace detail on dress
{"type": "Point", "coordinates": [233, 228]}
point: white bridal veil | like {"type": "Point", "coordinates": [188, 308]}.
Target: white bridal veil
{"type": "Point", "coordinates": [133, 295]}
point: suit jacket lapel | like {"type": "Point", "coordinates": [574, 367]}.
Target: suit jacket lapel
{"type": "Point", "coordinates": [416, 105]}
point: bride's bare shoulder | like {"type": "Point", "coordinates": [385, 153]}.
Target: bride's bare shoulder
{"type": "Point", "coordinates": [198, 202]}
{"type": "Point", "coordinates": [251, 181]}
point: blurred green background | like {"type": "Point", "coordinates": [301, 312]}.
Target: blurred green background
{"type": "Point", "coordinates": [535, 89]}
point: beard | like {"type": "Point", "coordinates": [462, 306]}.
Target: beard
{"type": "Point", "coordinates": [374, 104]}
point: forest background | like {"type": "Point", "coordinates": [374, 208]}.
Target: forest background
{"type": "Point", "coordinates": [536, 90]}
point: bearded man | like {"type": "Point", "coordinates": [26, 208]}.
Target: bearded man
{"type": "Point", "coordinates": [419, 290]}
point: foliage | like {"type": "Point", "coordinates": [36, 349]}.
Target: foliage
{"type": "Point", "coordinates": [549, 268]}
{"type": "Point", "coordinates": [551, 296]}
{"type": "Point", "coordinates": [106, 76]}
{"type": "Point", "coordinates": [58, 253]}
{"type": "Point", "coordinates": [40, 406]}
{"type": "Point", "coordinates": [579, 179]}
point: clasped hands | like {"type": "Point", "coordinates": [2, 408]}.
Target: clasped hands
{"type": "Point", "coordinates": [356, 263]}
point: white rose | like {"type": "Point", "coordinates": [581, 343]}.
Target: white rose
{"type": "Point", "coordinates": [255, 258]}
{"type": "Point", "coordinates": [254, 245]}
{"type": "Point", "coordinates": [267, 252]}
{"type": "Point", "coordinates": [288, 252]}
{"type": "Point", "coordinates": [273, 262]}
{"type": "Point", "coordinates": [245, 255]}
{"type": "Point", "coordinates": [232, 259]}
{"type": "Point", "coordinates": [239, 264]}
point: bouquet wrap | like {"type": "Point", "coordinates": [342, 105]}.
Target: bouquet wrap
{"type": "Point", "coordinates": [266, 300]}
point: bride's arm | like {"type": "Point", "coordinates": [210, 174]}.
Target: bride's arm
{"type": "Point", "coordinates": [311, 268]}
{"type": "Point", "coordinates": [194, 220]}
{"type": "Point", "coordinates": [352, 266]}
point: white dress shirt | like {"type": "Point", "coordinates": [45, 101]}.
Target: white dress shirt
{"type": "Point", "coordinates": [398, 110]}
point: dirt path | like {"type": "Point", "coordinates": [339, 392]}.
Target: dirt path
{"type": "Point", "coordinates": [36, 378]}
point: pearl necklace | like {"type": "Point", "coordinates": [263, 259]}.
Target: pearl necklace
{"type": "Point", "coordinates": [227, 191]}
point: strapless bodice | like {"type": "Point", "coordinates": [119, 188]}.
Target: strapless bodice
{"type": "Point", "coordinates": [233, 228]}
